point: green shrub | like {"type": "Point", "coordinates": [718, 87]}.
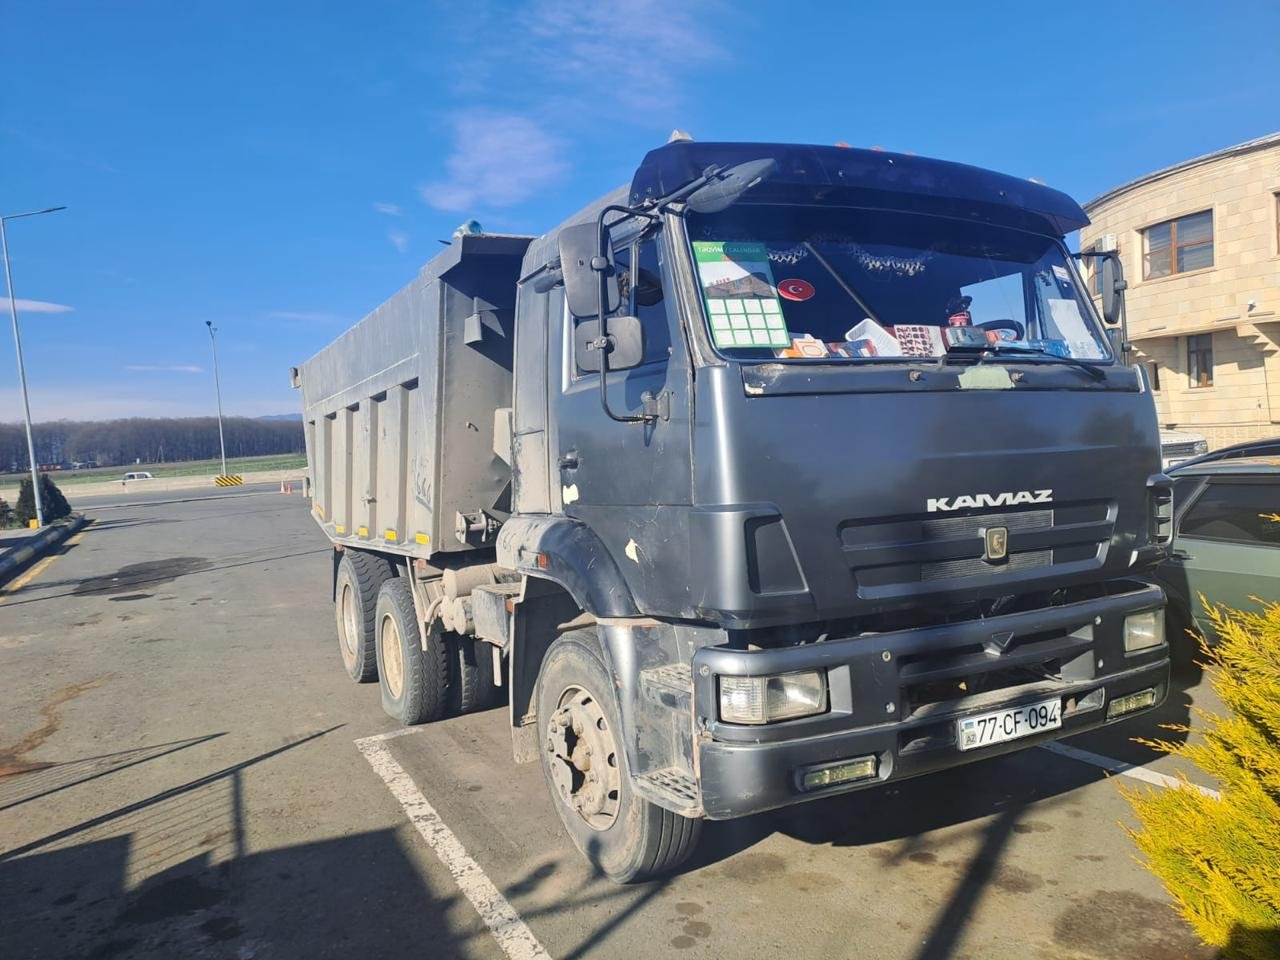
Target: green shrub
{"type": "Point", "coordinates": [1219, 857]}
{"type": "Point", "coordinates": [52, 501]}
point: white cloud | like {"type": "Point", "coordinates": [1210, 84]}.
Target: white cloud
{"type": "Point", "coordinates": [390, 209]}
{"type": "Point", "coordinates": [399, 239]}
{"type": "Point", "coordinates": [40, 306]}
{"type": "Point", "coordinates": [640, 54]}
{"type": "Point", "coordinates": [498, 159]}
{"type": "Point", "coordinates": [163, 368]}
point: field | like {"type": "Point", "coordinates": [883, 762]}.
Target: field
{"type": "Point", "coordinates": [189, 468]}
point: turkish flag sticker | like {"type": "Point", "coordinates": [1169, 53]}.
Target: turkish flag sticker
{"type": "Point", "coordinates": [795, 289]}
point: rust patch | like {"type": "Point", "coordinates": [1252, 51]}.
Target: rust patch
{"type": "Point", "coordinates": [11, 758]}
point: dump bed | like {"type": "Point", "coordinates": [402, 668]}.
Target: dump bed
{"type": "Point", "coordinates": [399, 410]}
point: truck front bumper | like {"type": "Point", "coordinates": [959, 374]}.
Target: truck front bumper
{"type": "Point", "coordinates": [897, 696]}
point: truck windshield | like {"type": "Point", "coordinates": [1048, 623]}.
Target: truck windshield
{"type": "Point", "coordinates": [824, 284]}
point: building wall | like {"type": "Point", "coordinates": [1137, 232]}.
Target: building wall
{"type": "Point", "coordinates": [1243, 192]}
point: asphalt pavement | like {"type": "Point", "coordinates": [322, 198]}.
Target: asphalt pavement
{"type": "Point", "coordinates": [185, 771]}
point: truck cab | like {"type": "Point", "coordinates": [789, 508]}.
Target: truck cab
{"type": "Point", "coordinates": [824, 472]}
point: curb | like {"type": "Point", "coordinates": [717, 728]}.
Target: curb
{"type": "Point", "coordinates": [14, 560]}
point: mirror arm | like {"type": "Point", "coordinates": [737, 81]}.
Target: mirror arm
{"type": "Point", "coordinates": [603, 343]}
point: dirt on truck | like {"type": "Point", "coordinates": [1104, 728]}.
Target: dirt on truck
{"type": "Point", "coordinates": [781, 472]}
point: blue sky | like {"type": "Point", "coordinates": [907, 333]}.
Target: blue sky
{"type": "Point", "coordinates": [281, 168]}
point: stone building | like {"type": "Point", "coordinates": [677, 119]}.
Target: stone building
{"type": "Point", "coordinates": [1200, 245]}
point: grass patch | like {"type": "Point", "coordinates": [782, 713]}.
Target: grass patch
{"type": "Point", "coordinates": [190, 468]}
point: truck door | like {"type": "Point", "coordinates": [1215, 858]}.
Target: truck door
{"type": "Point", "coordinates": [603, 465]}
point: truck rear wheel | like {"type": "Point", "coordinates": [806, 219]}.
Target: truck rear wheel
{"type": "Point", "coordinates": [580, 742]}
{"type": "Point", "coordinates": [414, 682]}
{"type": "Point", "coordinates": [355, 600]}
{"type": "Point", "coordinates": [471, 686]}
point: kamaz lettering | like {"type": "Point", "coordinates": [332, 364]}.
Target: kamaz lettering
{"type": "Point", "coordinates": [1006, 499]}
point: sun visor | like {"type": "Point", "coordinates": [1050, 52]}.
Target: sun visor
{"type": "Point", "coordinates": [849, 176]}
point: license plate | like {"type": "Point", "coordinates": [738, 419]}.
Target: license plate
{"type": "Point", "coordinates": [984, 729]}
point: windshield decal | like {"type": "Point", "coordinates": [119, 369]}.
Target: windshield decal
{"type": "Point", "coordinates": [798, 290]}
{"type": "Point", "coordinates": [741, 299]}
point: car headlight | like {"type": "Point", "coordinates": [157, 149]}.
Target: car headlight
{"type": "Point", "coordinates": [1200, 446]}
{"type": "Point", "coordinates": [1143, 630]}
{"type": "Point", "coordinates": [784, 696]}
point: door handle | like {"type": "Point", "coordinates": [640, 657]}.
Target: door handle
{"type": "Point", "coordinates": [569, 461]}
{"type": "Point", "coordinates": [1180, 555]}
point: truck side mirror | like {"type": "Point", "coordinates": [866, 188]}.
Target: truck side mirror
{"type": "Point", "coordinates": [588, 274]}
{"type": "Point", "coordinates": [626, 347]}
{"type": "Point", "coordinates": [1113, 285]}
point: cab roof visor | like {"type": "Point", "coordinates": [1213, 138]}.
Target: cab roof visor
{"type": "Point", "coordinates": [854, 177]}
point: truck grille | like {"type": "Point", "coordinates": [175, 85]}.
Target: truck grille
{"type": "Point", "coordinates": [928, 553]}
{"type": "Point", "coordinates": [1184, 448]}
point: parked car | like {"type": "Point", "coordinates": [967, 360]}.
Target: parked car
{"type": "Point", "coordinates": [1226, 543]}
{"type": "Point", "coordinates": [1250, 448]}
{"type": "Point", "coordinates": [137, 475]}
{"type": "Point", "coordinates": [1179, 446]}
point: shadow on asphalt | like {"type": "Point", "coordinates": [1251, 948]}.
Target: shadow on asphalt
{"type": "Point", "coordinates": [151, 572]}
{"type": "Point", "coordinates": [43, 779]}
{"type": "Point", "coordinates": [170, 876]}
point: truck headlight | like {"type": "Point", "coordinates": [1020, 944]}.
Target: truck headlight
{"type": "Point", "coordinates": [784, 696]}
{"type": "Point", "coordinates": [1199, 447]}
{"type": "Point", "coordinates": [1143, 630]}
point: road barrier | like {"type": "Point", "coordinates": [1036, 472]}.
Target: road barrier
{"type": "Point", "coordinates": [231, 480]}
{"type": "Point", "coordinates": [13, 560]}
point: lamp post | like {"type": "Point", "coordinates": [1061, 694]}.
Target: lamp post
{"type": "Point", "coordinates": [17, 343]}
{"type": "Point", "coordinates": [217, 385]}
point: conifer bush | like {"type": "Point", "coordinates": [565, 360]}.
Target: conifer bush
{"type": "Point", "coordinates": [52, 501]}
{"type": "Point", "coordinates": [1219, 857]}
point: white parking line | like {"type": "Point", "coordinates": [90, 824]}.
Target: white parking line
{"type": "Point", "coordinates": [1124, 769]}
{"type": "Point", "coordinates": [514, 937]}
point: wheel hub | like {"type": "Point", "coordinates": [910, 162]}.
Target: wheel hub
{"type": "Point", "coordinates": [584, 758]}
{"type": "Point", "coordinates": [392, 657]}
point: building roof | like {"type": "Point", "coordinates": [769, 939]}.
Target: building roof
{"type": "Point", "coordinates": [1249, 146]}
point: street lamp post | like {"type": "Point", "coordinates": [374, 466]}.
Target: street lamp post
{"type": "Point", "coordinates": [17, 343]}
{"type": "Point", "coordinates": [217, 385]}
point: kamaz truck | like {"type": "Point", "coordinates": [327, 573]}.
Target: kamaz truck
{"type": "Point", "coordinates": [781, 472]}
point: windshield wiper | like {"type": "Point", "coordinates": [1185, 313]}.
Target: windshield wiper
{"type": "Point", "coordinates": [1007, 349]}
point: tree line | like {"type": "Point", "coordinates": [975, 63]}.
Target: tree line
{"type": "Point", "coordinates": [110, 443]}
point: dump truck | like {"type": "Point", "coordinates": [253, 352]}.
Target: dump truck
{"type": "Point", "coordinates": [780, 472]}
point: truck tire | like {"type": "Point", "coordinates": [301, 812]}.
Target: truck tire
{"type": "Point", "coordinates": [625, 836]}
{"type": "Point", "coordinates": [471, 684]}
{"type": "Point", "coordinates": [355, 599]}
{"type": "Point", "coordinates": [414, 682]}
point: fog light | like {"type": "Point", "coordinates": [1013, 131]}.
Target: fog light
{"type": "Point", "coordinates": [770, 699]}
{"type": "Point", "coordinates": [1143, 630]}
{"type": "Point", "coordinates": [846, 771]}
{"type": "Point", "coordinates": [1131, 702]}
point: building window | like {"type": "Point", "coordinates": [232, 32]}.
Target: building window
{"type": "Point", "coordinates": [1153, 374]}
{"type": "Point", "coordinates": [1177, 246]}
{"type": "Point", "coordinates": [1200, 359]}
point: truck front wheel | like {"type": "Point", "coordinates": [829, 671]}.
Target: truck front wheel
{"type": "Point", "coordinates": [360, 575]}
{"type": "Point", "coordinates": [580, 741]}
{"type": "Point", "coordinates": [414, 681]}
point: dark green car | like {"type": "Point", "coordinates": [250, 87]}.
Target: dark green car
{"type": "Point", "coordinates": [1226, 541]}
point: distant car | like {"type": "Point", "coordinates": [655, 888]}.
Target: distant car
{"type": "Point", "coordinates": [1178, 446]}
{"type": "Point", "coordinates": [1226, 543]}
{"type": "Point", "coordinates": [137, 475]}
